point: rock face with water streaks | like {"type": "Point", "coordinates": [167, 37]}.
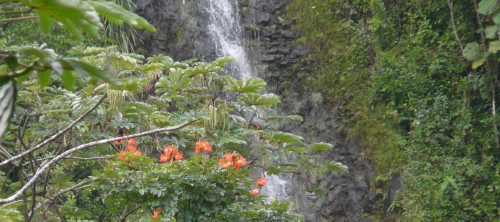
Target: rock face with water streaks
{"type": "Point", "coordinates": [183, 33]}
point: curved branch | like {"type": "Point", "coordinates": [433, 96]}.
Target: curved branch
{"type": "Point", "coordinates": [83, 146]}
{"type": "Point", "coordinates": [50, 139]}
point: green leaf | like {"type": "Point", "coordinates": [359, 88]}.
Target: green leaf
{"type": "Point", "coordinates": [282, 137]}
{"type": "Point", "coordinates": [85, 69]}
{"type": "Point", "coordinates": [254, 99]}
{"type": "Point", "coordinates": [68, 79]}
{"type": "Point", "coordinates": [321, 146]}
{"type": "Point", "coordinates": [73, 14]}
{"type": "Point", "coordinates": [496, 18]}
{"type": "Point", "coordinates": [119, 15]}
{"type": "Point", "coordinates": [11, 61]}
{"type": "Point", "coordinates": [7, 99]}
{"type": "Point", "coordinates": [250, 85]}
{"type": "Point", "coordinates": [43, 77]}
{"type": "Point", "coordinates": [491, 31]}
{"type": "Point", "coordinates": [494, 46]}
{"type": "Point", "coordinates": [486, 6]}
{"type": "Point", "coordinates": [472, 51]}
{"type": "Point", "coordinates": [479, 61]}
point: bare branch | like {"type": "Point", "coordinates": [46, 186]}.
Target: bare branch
{"type": "Point", "coordinates": [18, 19]}
{"type": "Point", "coordinates": [16, 12]}
{"type": "Point", "coordinates": [450, 6]}
{"type": "Point", "coordinates": [40, 145]}
{"type": "Point", "coordinates": [83, 146]}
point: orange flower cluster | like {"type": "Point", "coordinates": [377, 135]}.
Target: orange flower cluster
{"type": "Point", "coordinates": [202, 145]}
{"type": "Point", "coordinates": [169, 152]}
{"type": "Point", "coordinates": [232, 160]}
{"type": "Point", "coordinates": [156, 213]}
{"type": "Point", "coordinates": [259, 184]}
{"type": "Point", "coordinates": [132, 148]}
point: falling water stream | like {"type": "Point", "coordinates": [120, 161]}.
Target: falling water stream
{"type": "Point", "coordinates": [226, 33]}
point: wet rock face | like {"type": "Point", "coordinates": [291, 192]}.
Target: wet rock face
{"type": "Point", "coordinates": [181, 29]}
{"type": "Point", "coordinates": [269, 41]}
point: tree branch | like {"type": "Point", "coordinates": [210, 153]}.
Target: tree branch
{"type": "Point", "coordinates": [40, 145]}
{"type": "Point", "coordinates": [18, 19]}
{"type": "Point", "coordinates": [16, 12]}
{"type": "Point", "coordinates": [450, 6]}
{"type": "Point", "coordinates": [83, 146]}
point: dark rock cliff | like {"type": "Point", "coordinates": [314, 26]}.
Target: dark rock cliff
{"type": "Point", "coordinates": [269, 40]}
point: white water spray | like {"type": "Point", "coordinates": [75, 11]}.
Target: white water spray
{"type": "Point", "coordinates": [225, 29]}
{"type": "Point", "coordinates": [276, 188]}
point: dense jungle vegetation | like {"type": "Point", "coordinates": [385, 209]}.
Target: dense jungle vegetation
{"type": "Point", "coordinates": [418, 83]}
{"type": "Point", "coordinates": [92, 131]}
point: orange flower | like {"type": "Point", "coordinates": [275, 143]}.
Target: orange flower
{"type": "Point", "coordinates": [137, 153]}
{"type": "Point", "coordinates": [229, 156]}
{"type": "Point", "coordinates": [169, 149]}
{"type": "Point", "coordinates": [120, 155]}
{"type": "Point", "coordinates": [254, 192]}
{"type": "Point", "coordinates": [198, 147]}
{"type": "Point", "coordinates": [178, 156]}
{"type": "Point", "coordinates": [261, 182]}
{"type": "Point", "coordinates": [156, 213]}
{"type": "Point", "coordinates": [225, 164]}
{"type": "Point", "coordinates": [132, 142]}
{"type": "Point", "coordinates": [240, 162]}
{"type": "Point", "coordinates": [202, 145]}
{"type": "Point", "coordinates": [163, 158]}
{"type": "Point", "coordinates": [206, 146]}
{"type": "Point", "coordinates": [131, 149]}
{"type": "Point", "coordinates": [118, 143]}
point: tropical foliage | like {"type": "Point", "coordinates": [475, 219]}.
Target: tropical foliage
{"type": "Point", "coordinates": [418, 83]}
{"type": "Point", "coordinates": [100, 134]}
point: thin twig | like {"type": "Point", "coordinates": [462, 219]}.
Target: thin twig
{"type": "Point", "coordinates": [81, 147]}
{"type": "Point", "coordinates": [40, 145]}
{"type": "Point", "coordinates": [450, 6]}
{"type": "Point", "coordinates": [16, 12]}
{"type": "Point", "coordinates": [18, 19]}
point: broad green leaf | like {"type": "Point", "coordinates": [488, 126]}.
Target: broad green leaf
{"type": "Point", "coordinates": [491, 31]}
{"type": "Point", "coordinates": [254, 99]}
{"type": "Point", "coordinates": [292, 117]}
{"type": "Point", "coordinates": [85, 69]}
{"type": "Point", "coordinates": [472, 51]}
{"type": "Point", "coordinates": [43, 77]}
{"type": "Point", "coordinates": [223, 60]}
{"type": "Point", "coordinates": [486, 6]}
{"type": "Point", "coordinates": [119, 15]}
{"type": "Point", "coordinates": [250, 85]}
{"type": "Point", "coordinates": [73, 14]}
{"type": "Point", "coordinates": [480, 61]}
{"type": "Point", "coordinates": [7, 99]}
{"type": "Point", "coordinates": [68, 79]}
{"type": "Point", "coordinates": [282, 137]}
{"type": "Point", "coordinates": [494, 46]}
{"type": "Point", "coordinates": [321, 146]}
{"type": "Point", "coordinates": [336, 167]}
{"type": "Point", "coordinates": [496, 18]}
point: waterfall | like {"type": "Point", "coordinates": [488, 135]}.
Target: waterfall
{"type": "Point", "coordinates": [225, 31]}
